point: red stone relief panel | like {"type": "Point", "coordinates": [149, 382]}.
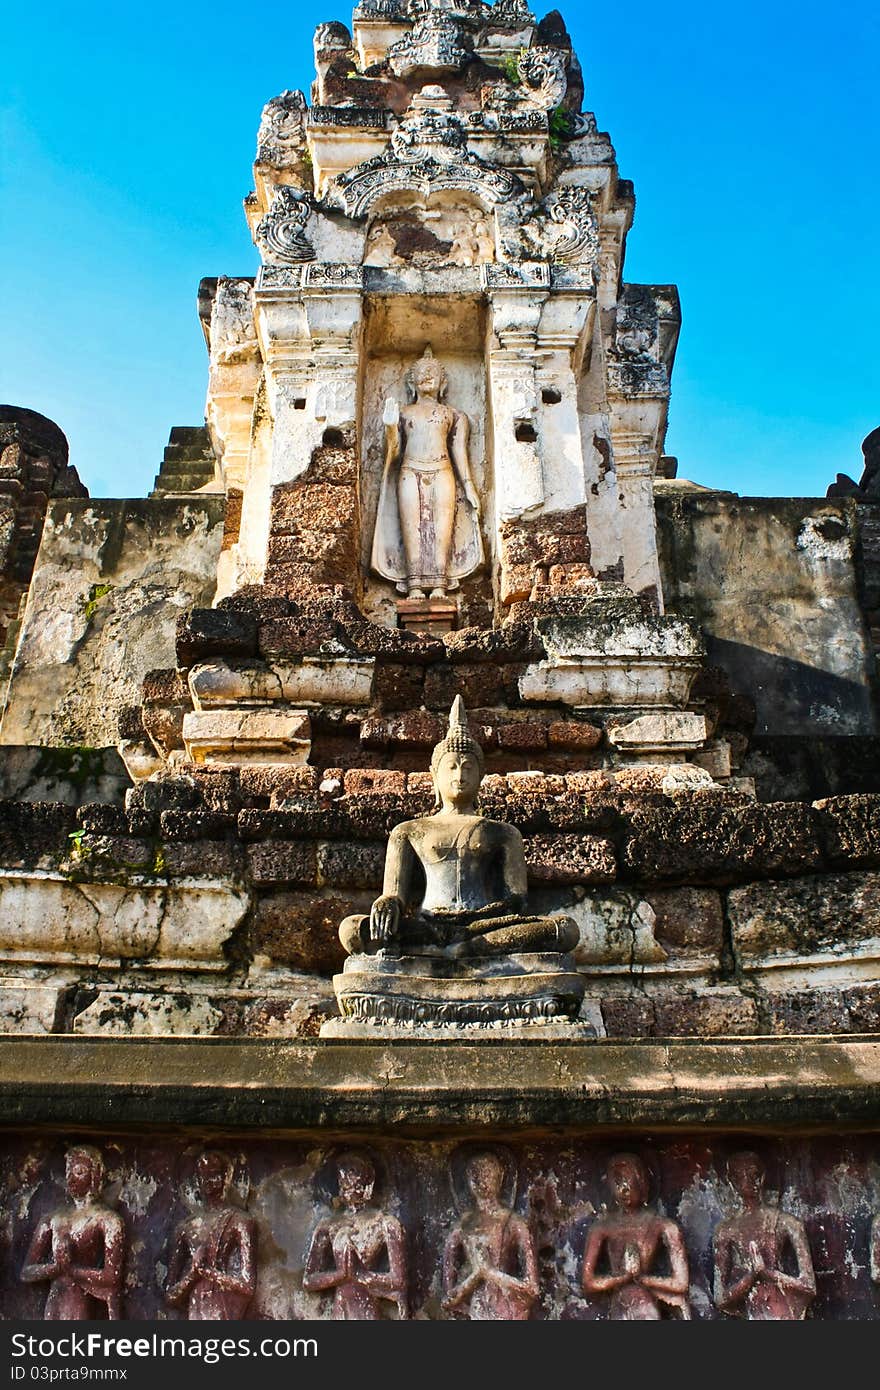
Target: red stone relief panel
{"type": "Point", "coordinates": [685, 1228]}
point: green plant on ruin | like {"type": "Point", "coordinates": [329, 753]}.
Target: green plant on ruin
{"type": "Point", "coordinates": [510, 67]}
{"type": "Point", "coordinates": [559, 124]}
{"type": "Point", "coordinates": [96, 593]}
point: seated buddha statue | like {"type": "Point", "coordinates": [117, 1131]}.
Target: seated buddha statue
{"type": "Point", "coordinates": [455, 882]}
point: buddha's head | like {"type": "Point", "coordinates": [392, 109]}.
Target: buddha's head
{"type": "Point", "coordinates": [427, 377]}
{"type": "Point", "coordinates": [628, 1180]}
{"type": "Point", "coordinates": [747, 1174]}
{"type": "Point", "coordinates": [485, 1176]}
{"type": "Point", "coordinates": [83, 1173]}
{"type": "Point", "coordinates": [214, 1175]}
{"type": "Point", "coordinates": [457, 763]}
{"type": "Point", "coordinates": [356, 1178]}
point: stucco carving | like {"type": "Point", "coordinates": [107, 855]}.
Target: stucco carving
{"type": "Point", "coordinates": [233, 335]}
{"type": "Point", "coordinates": [281, 136]}
{"type": "Point", "coordinates": [281, 234]}
{"type": "Point", "coordinates": [434, 44]}
{"type": "Point", "coordinates": [542, 73]}
{"type": "Point", "coordinates": [763, 1267]}
{"type": "Point", "coordinates": [633, 1254]}
{"type": "Point", "coordinates": [490, 1267]}
{"type": "Point", "coordinates": [212, 1270]}
{"type": "Point", "coordinates": [427, 154]}
{"type": "Point", "coordinates": [564, 228]}
{"type": "Point", "coordinates": [79, 1250]}
{"type": "Point", "coordinates": [359, 1253]}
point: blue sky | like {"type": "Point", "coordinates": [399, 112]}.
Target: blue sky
{"type": "Point", "coordinates": [751, 132]}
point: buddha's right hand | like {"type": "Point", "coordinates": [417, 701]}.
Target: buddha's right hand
{"type": "Point", "coordinates": [384, 919]}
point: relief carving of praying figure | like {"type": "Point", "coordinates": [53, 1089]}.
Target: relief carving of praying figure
{"type": "Point", "coordinates": [212, 1273]}
{"type": "Point", "coordinates": [455, 882]}
{"type": "Point", "coordinates": [80, 1249]}
{"type": "Point", "coordinates": [427, 536]}
{"type": "Point", "coordinates": [635, 1255]}
{"type": "Point", "coordinates": [360, 1253]}
{"type": "Point", "coordinates": [763, 1266]}
{"type": "Point", "coordinates": [490, 1267]}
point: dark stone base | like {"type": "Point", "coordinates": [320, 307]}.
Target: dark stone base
{"type": "Point", "coordinates": [411, 992]}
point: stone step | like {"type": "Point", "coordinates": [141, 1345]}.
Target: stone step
{"type": "Point", "coordinates": [188, 482]}
{"type": "Point", "coordinates": [187, 451]}
{"type": "Point", "coordinates": [188, 461]}
{"type": "Point", "coordinates": [189, 434]}
{"type": "Point", "coordinates": [178, 467]}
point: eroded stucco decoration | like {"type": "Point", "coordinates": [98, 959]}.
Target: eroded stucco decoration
{"type": "Point", "coordinates": [565, 228]}
{"type": "Point", "coordinates": [281, 234]}
{"type": "Point", "coordinates": [281, 136]}
{"type": "Point", "coordinates": [543, 77]}
{"type": "Point", "coordinates": [434, 44]}
{"type": "Point", "coordinates": [427, 154]}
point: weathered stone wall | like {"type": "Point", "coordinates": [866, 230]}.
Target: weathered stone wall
{"type": "Point", "coordinates": [33, 468]}
{"type": "Point", "coordinates": [110, 580]}
{"type": "Point", "coordinates": [211, 904]}
{"type": "Point", "coordinates": [775, 584]}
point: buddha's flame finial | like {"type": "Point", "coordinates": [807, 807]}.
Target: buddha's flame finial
{"type": "Point", "coordinates": [459, 739]}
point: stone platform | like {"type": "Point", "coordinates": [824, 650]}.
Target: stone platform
{"type": "Point", "coordinates": [395, 993]}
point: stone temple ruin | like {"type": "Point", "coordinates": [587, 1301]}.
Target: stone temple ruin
{"type": "Point", "coordinates": [431, 829]}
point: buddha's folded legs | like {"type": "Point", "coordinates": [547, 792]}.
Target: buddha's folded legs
{"type": "Point", "coordinates": [479, 936]}
{"type": "Point", "coordinates": [501, 936]}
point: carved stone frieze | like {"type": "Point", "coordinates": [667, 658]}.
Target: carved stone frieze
{"type": "Point", "coordinates": [358, 1253]}
{"type": "Point", "coordinates": [281, 234]}
{"type": "Point", "coordinates": [763, 1265]}
{"type": "Point", "coordinates": [427, 154]}
{"type": "Point", "coordinates": [637, 378]}
{"type": "Point", "coordinates": [643, 1252]}
{"type": "Point", "coordinates": [434, 44]}
{"type": "Point", "coordinates": [332, 275]}
{"type": "Point", "coordinates": [212, 1267]}
{"type": "Point", "coordinates": [275, 1229]}
{"type": "Point", "coordinates": [516, 275]}
{"type": "Point", "coordinates": [277, 277]}
{"type": "Point", "coordinates": [506, 118]}
{"type": "Point", "coordinates": [363, 117]}
{"type": "Point", "coordinates": [281, 137]}
{"type": "Point", "coordinates": [79, 1250]}
{"type": "Point", "coordinates": [490, 1264]}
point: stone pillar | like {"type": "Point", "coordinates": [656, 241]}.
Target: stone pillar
{"type": "Point", "coordinates": [308, 323]}
{"type": "Point", "coordinates": [536, 342]}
